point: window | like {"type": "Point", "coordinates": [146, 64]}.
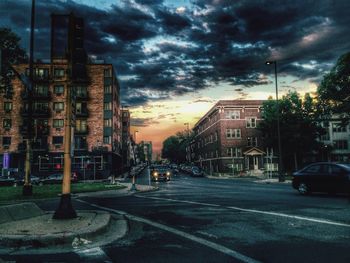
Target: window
{"type": "Point", "coordinates": [232, 114]}
{"type": "Point", "coordinates": [7, 123]}
{"type": "Point", "coordinates": [107, 122]}
{"type": "Point", "coordinates": [80, 142]}
{"type": "Point", "coordinates": [234, 152]}
{"type": "Point", "coordinates": [216, 136]}
{"type": "Point", "coordinates": [58, 106]}
{"type": "Point", "coordinates": [58, 123]}
{"type": "Point", "coordinates": [59, 89]}
{"type": "Point", "coordinates": [6, 141]}
{"type": "Point", "coordinates": [81, 108]}
{"type": "Point", "coordinates": [41, 72]}
{"type": "Point", "coordinates": [58, 72]}
{"type": "Point", "coordinates": [313, 169]}
{"type": "Point", "coordinates": [233, 133]}
{"type": "Point", "coordinates": [341, 144]}
{"type": "Point", "coordinates": [107, 72]}
{"type": "Point", "coordinates": [108, 89]}
{"type": "Point", "coordinates": [337, 127]}
{"type": "Point", "coordinates": [41, 90]}
{"type": "Point", "coordinates": [7, 106]}
{"type": "Point", "coordinates": [81, 91]}
{"type": "Point", "coordinates": [40, 106]}
{"type": "Point", "coordinates": [252, 141]}
{"type": "Point", "coordinates": [57, 139]}
{"type": "Point", "coordinates": [81, 125]}
{"type": "Point", "coordinates": [107, 139]}
{"type": "Point", "coordinates": [107, 106]}
{"type": "Point", "coordinates": [251, 123]}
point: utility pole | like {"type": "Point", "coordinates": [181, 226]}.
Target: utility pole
{"type": "Point", "coordinates": [65, 209]}
{"type": "Point", "coordinates": [27, 187]}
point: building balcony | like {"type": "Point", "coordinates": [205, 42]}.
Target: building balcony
{"type": "Point", "coordinates": [82, 113]}
{"type": "Point", "coordinates": [37, 131]}
{"type": "Point", "coordinates": [82, 96]}
{"type": "Point", "coordinates": [44, 113]}
{"type": "Point", "coordinates": [37, 95]}
{"type": "Point", "coordinates": [81, 131]}
{"type": "Point", "coordinates": [42, 78]}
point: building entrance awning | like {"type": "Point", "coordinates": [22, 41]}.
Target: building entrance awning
{"type": "Point", "coordinates": [253, 152]}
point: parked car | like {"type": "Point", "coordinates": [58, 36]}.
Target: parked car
{"type": "Point", "coordinates": [7, 180]}
{"type": "Point", "coordinates": [196, 172]}
{"type": "Point", "coordinates": [57, 179]}
{"type": "Point", "coordinates": [35, 180]}
{"type": "Point", "coordinates": [322, 177]}
{"type": "Point", "coordinates": [160, 173]}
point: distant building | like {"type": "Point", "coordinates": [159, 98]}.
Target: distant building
{"type": "Point", "coordinates": [95, 105]}
{"type": "Point", "coordinates": [336, 141]}
{"type": "Point", "coordinates": [145, 151]}
{"type": "Point", "coordinates": [227, 139]}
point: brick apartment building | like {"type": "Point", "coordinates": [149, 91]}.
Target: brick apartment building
{"type": "Point", "coordinates": [226, 138]}
{"type": "Point", "coordinates": [95, 103]}
{"type": "Point", "coordinates": [126, 140]}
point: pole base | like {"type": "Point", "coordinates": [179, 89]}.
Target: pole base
{"type": "Point", "coordinates": [27, 190]}
{"type": "Point", "coordinates": [133, 187]}
{"type": "Point", "coordinates": [65, 209]}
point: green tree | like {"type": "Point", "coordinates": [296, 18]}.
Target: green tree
{"type": "Point", "coordinates": [11, 53]}
{"type": "Point", "coordinates": [334, 90]}
{"type": "Point", "coordinates": [299, 128]}
{"type": "Point", "coordinates": [174, 147]}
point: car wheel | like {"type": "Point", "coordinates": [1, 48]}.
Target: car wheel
{"type": "Point", "coordinates": [303, 188]}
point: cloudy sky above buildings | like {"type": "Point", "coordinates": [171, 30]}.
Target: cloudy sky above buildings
{"type": "Point", "coordinates": [175, 59]}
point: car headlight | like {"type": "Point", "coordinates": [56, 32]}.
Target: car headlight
{"type": "Point", "coordinates": [168, 173]}
{"type": "Point", "coordinates": [155, 174]}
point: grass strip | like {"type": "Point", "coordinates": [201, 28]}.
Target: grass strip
{"type": "Point", "coordinates": [10, 193]}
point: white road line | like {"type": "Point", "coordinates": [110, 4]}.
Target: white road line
{"type": "Point", "coordinates": [310, 219]}
{"type": "Point", "coordinates": [93, 255]}
{"type": "Point", "coordinates": [212, 245]}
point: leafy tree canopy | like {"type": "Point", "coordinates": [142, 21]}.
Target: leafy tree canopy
{"type": "Point", "coordinates": [334, 90]}
{"type": "Point", "coordinates": [298, 126]}
{"type": "Point", "coordinates": [174, 147]}
{"type": "Point", "coordinates": [11, 53]}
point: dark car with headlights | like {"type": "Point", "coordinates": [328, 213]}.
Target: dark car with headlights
{"type": "Point", "coordinates": [160, 173]}
{"type": "Point", "coordinates": [323, 177]}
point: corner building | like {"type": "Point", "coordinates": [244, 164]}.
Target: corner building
{"type": "Point", "coordinates": [95, 108]}
{"type": "Point", "coordinates": [227, 139]}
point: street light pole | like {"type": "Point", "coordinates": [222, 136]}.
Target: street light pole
{"type": "Point", "coordinates": [27, 187]}
{"type": "Point", "coordinates": [280, 161]}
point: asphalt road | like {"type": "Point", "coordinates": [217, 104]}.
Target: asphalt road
{"type": "Point", "coordinates": [217, 220]}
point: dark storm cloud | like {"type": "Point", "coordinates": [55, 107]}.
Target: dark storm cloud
{"type": "Point", "coordinates": [211, 42]}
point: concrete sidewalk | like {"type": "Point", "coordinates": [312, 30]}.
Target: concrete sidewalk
{"type": "Point", "coordinates": [37, 229]}
{"type": "Point", "coordinates": [253, 179]}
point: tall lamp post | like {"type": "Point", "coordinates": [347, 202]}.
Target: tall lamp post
{"type": "Point", "coordinates": [27, 187]}
{"type": "Point", "coordinates": [280, 162]}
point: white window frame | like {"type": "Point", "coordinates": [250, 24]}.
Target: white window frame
{"type": "Point", "coordinates": [233, 114]}
{"type": "Point", "coordinates": [250, 123]}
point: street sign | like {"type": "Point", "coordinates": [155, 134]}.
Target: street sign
{"type": "Point", "coordinates": [6, 160]}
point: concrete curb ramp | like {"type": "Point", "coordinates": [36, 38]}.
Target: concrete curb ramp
{"type": "Point", "coordinates": [37, 229]}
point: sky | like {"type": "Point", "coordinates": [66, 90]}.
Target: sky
{"type": "Point", "coordinates": [175, 59]}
